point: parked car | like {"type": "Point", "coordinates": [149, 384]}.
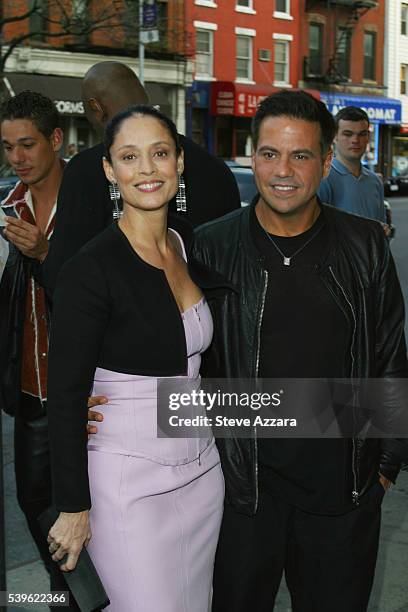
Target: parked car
{"type": "Point", "coordinates": [7, 180]}
{"type": "Point", "coordinates": [246, 183]}
{"type": "Point", "coordinates": [248, 190]}
{"type": "Point", "coordinates": [396, 185]}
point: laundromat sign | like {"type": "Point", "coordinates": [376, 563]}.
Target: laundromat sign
{"type": "Point", "coordinates": [66, 107]}
{"type": "Point", "coordinates": [379, 110]}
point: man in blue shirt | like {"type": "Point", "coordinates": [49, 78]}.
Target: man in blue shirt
{"type": "Point", "coordinates": [350, 185]}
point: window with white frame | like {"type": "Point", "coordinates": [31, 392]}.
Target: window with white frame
{"type": "Point", "coordinates": [281, 61]}
{"type": "Point", "coordinates": [282, 6]}
{"type": "Point", "coordinates": [204, 53]}
{"type": "Point", "coordinates": [246, 3]}
{"type": "Point", "coordinates": [404, 79]}
{"type": "Point", "coordinates": [404, 19]}
{"type": "Point", "coordinates": [244, 57]}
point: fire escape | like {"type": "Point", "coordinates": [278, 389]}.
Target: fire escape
{"type": "Point", "coordinates": [332, 72]}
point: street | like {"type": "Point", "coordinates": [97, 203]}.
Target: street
{"type": "Point", "coordinates": [390, 593]}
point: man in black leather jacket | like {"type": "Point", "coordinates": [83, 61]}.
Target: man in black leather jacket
{"type": "Point", "coordinates": [317, 296]}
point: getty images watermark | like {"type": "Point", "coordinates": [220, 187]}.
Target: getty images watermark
{"type": "Point", "coordinates": [223, 401]}
{"type": "Point", "coordinates": [291, 408]}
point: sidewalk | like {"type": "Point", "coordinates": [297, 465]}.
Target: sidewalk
{"type": "Point", "coordinates": [390, 594]}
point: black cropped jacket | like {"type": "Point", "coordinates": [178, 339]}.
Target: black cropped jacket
{"type": "Point", "coordinates": [111, 310]}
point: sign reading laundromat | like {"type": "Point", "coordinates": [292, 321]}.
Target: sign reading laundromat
{"type": "Point", "coordinates": [379, 110]}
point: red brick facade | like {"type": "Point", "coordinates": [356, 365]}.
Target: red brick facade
{"type": "Point", "coordinates": [226, 16]}
{"type": "Point", "coordinates": [341, 15]}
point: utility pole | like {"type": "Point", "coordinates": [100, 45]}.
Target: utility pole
{"type": "Point", "coordinates": [141, 44]}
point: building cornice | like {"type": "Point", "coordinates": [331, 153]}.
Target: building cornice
{"type": "Point", "coordinates": [75, 64]}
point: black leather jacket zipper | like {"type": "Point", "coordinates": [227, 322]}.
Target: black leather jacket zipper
{"type": "Point", "coordinates": [257, 354]}
{"type": "Point", "coordinates": [354, 463]}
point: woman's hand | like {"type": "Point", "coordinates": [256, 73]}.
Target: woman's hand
{"type": "Point", "coordinates": [67, 536]}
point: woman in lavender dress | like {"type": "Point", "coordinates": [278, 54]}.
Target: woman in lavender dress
{"type": "Point", "coordinates": [128, 310]}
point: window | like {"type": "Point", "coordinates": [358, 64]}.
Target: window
{"type": "Point", "coordinates": [38, 19]}
{"type": "Point", "coordinates": [80, 9]}
{"type": "Point", "coordinates": [404, 19]}
{"type": "Point", "coordinates": [244, 57]}
{"type": "Point", "coordinates": [370, 40]}
{"type": "Point", "coordinates": [204, 53]}
{"type": "Point", "coordinates": [404, 78]}
{"type": "Point", "coordinates": [315, 48]}
{"type": "Point", "coordinates": [282, 6]}
{"type": "Point", "coordinates": [343, 51]}
{"type": "Point", "coordinates": [245, 6]}
{"type": "Point", "coordinates": [281, 61]}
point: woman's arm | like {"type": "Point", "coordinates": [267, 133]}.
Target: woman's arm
{"type": "Point", "coordinates": [79, 319]}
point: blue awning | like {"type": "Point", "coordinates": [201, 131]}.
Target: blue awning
{"type": "Point", "coordinates": [379, 110]}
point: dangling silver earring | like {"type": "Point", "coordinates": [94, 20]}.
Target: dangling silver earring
{"type": "Point", "coordinates": [181, 201]}
{"type": "Point", "coordinates": [115, 196]}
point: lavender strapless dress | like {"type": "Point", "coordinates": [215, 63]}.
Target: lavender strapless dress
{"type": "Point", "coordinates": [156, 503]}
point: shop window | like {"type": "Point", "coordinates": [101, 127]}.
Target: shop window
{"type": "Point", "coordinates": [315, 48]}
{"type": "Point", "coordinates": [370, 43]}
{"type": "Point", "coordinates": [404, 19]}
{"type": "Point", "coordinates": [400, 157]}
{"type": "Point", "coordinates": [282, 61]}
{"type": "Point", "coordinates": [198, 126]}
{"type": "Point", "coordinates": [243, 137]}
{"type": "Point", "coordinates": [404, 76]}
{"type": "Point", "coordinates": [204, 53]}
{"type": "Point", "coordinates": [244, 57]}
{"type": "Point", "coordinates": [343, 51]}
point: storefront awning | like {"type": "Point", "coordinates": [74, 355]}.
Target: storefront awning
{"type": "Point", "coordinates": [65, 92]}
{"type": "Point", "coordinates": [240, 99]}
{"type": "Point", "coordinates": [379, 109]}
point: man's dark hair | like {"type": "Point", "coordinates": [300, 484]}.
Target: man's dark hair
{"type": "Point", "coordinates": [296, 105]}
{"type": "Point", "coordinates": [351, 113]}
{"type": "Point", "coordinates": [114, 124]}
{"type": "Point", "coordinates": [35, 107]}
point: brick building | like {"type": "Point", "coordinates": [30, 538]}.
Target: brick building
{"type": "Point", "coordinates": [342, 55]}
{"type": "Point", "coordinates": [244, 50]}
{"type": "Point", "coordinates": [396, 78]}
{"type": "Point", "coordinates": [61, 39]}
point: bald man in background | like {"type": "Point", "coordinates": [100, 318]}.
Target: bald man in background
{"type": "Point", "coordinates": [84, 204]}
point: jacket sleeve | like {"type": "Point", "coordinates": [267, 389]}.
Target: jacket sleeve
{"type": "Point", "coordinates": [80, 316]}
{"type": "Point", "coordinates": [391, 357]}
{"type": "Point", "coordinates": [82, 213]}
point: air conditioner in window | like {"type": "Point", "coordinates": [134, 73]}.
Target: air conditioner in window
{"type": "Point", "coordinates": [264, 55]}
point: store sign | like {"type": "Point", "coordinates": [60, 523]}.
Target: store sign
{"type": "Point", "coordinates": [247, 103]}
{"type": "Point", "coordinates": [379, 110]}
{"type": "Point", "coordinates": [223, 99]}
{"type": "Point", "coordinates": [65, 107]}
{"type": "Point", "coordinates": [229, 99]}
